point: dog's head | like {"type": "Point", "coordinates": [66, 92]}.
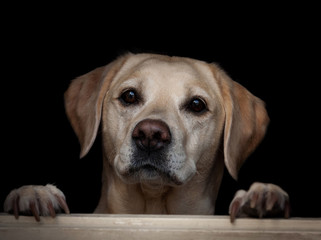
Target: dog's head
{"type": "Point", "coordinates": [164, 118]}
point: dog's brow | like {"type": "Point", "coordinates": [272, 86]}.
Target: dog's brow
{"type": "Point", "coordinates": [197, 91]}
{"type": "Point", "coordinates": [132, 82]}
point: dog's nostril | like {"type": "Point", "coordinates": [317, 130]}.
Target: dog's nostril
{"type": "Point", "coordinates": [141, 135]}
{"type": "Point", "coordinates": [157, 136]}
{"type": "Point", "coordinates": [151, 135]}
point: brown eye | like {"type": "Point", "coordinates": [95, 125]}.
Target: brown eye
{"type": "Point", "coordinates": [197, 105]}
{"type": "Point", "coordinates": [129, 97]}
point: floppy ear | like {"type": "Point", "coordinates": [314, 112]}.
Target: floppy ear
{"type": "Point", "coordinates": [84, 99]}
{"type": "Point", "coordinates": [246, 121]}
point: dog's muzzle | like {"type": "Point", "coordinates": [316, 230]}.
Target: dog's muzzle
{"type": "Point", "coordinates": [151, 139]}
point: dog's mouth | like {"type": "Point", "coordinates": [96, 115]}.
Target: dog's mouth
{"type": "Point", "coordinates": [148, 170]}
{"type": "Point", "coordinates": [151, 173]}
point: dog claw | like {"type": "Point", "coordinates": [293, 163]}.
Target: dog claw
{"type": "Point", "coordinates": [236, 204]}
{"type": "Point", "coordinates": [254, 199]}
{"type": "Point", "coordinates": [287, 209]}
{"type": "Point", "coordinates": [36, 200]}
{"type": "Point", "coordinates": [260, 200]}
{"type": "Point", "coordinates": [51, 210]}
{"type": "Point", "coordinates": [271, 200]}
{"type": "Point", "coordinates": [234, 210]}
{"type": "Point", "coordinates": [34, 211]}
{"type": "Point", "coordinates": [15, 206]}
{"type": "Point", "coordinates": [63, 203]}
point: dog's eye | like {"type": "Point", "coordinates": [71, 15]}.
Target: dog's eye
{"type": "Point", "coordinates": [197, 105]}
{"type": "Point", "coordinates": [129, 97]}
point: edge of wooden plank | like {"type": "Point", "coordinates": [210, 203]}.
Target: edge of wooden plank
{"type": "Point", "coordinates": [93, 226]}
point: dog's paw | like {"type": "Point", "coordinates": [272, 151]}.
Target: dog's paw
{"type": "Point", "coordinates": [36, 200]}
{"type": "Point", "coordinates": [261, 200]}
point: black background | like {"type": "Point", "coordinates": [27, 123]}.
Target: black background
{"type": "Point", "coordinates": [272, 50]}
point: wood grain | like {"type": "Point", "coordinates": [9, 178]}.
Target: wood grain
{"type": "Point", "coordinates": [96, 226]}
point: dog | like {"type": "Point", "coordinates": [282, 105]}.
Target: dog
{"type": "Point", "coordinates": [169, 127]}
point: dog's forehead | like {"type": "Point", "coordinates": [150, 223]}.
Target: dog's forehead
{"type": "Point", "coordinates": [167, 68]}
{"type": "Point", "coordinates": [165, 71]}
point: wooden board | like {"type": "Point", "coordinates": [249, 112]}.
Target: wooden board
{"type": "Point", "coordinates": [105, 226]}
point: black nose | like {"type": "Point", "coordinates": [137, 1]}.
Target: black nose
{"type": "Point", "coordinates": [150, 135]}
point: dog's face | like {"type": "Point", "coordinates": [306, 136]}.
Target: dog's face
{"type": "Point", "coordinates": [164, 119]}
{"type": "Point", "coordinates": [161, 116]}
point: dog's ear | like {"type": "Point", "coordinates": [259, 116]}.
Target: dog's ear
{"type": "Point", "coordinates": [246, 121]}
{"type": "Point", "coordinates": [84, 99]}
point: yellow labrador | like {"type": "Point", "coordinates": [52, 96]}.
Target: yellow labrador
{"type": "Point", "coordinates": [169, 126]}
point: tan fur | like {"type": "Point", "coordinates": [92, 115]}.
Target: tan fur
{"type": "Point", "coordinates": [189, 168]}
{"type": "Point", "coordinates": [234, 115]}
